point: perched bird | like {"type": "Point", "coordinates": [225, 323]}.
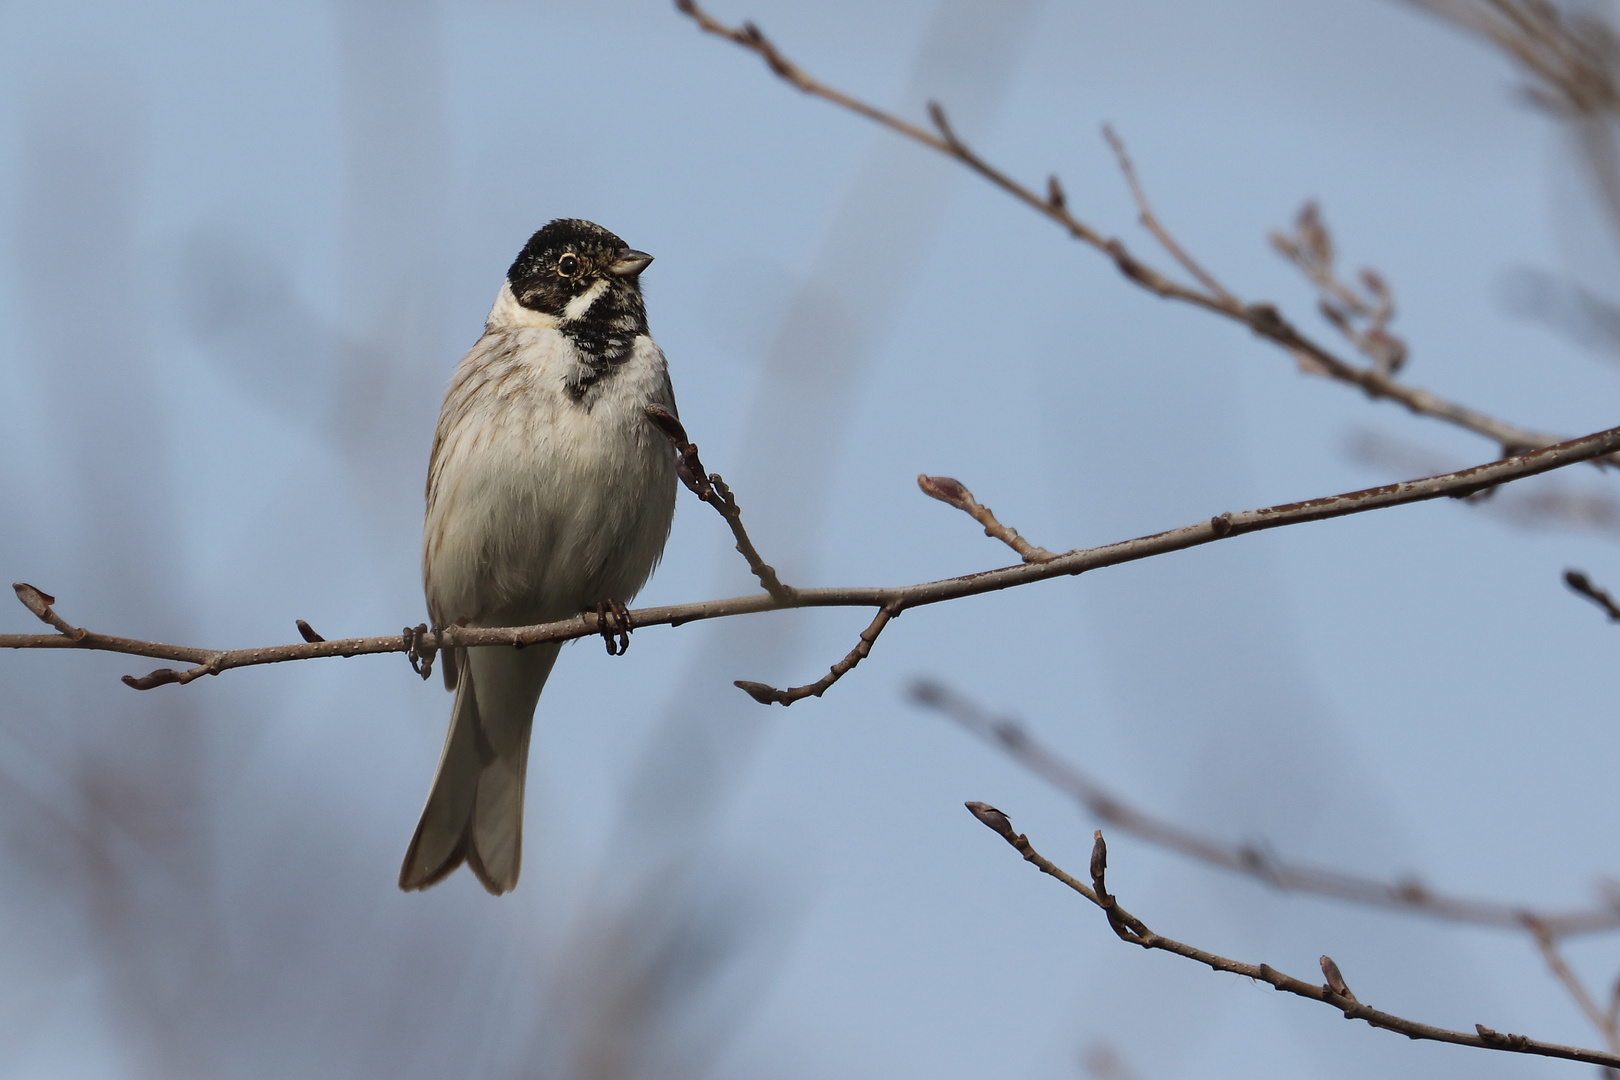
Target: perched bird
{"type": "Point", "coordinates": [549, 492]}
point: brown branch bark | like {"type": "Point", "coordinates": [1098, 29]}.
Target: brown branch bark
{"type": "Point", "coordinates": [1263, 319]}
{"type": "Point", "coordinates": [955, 493]}
{"type": "Point", "coordinates": [898, 598]}
{"type": "Point", "coordinates": [1335, 992]}
{"type": "Point", "coordinates": [766, 694]}
{"type": "Point", "coordinates": [1250, 860]}
{"type": "Point", "coordinates": [717, 493]}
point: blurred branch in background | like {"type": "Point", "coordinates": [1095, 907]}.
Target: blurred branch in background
{"type": "Point", "coordinates": [1552, 503]}
{"type": "Point", "coordinates": [1576, 313]}
{"type": "Point", "coordinates": [1410, 895]}
{"type": "Point", "coordinates": [1334, 992]}
{"type": "Point", "coordinates": [1103, 1062]}
{"type": "Point", "coordinates": [1571, 62]}
{"type": "Point", "coordinates": [1375, 379]}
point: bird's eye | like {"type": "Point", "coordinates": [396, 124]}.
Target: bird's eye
{"type": "Point", "coordinates": [568, 265]}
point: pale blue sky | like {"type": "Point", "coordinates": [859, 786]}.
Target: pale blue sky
{"type": "Point", "coordinates": [245, 246]}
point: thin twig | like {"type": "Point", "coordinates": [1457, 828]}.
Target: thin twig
{"type": "Point", "coordinates": [1252, 860]}
{"type": "Point", "coordinates": [1363, 320]}
{"type": "Point", "coordinates": [713, 490]}
{"type": "Point", "coordinates": [1150, 222]}
{"type": "Point", "coordinates": [1547, 943]}
{"type": "Point", "coordinates": [1078, 561]}
{"type": "Point", "coordinates": [1131, 929]}
{"type": "Point", "coordinates": [766, 694]}
{"type": "Point", "coordinates": [1262, 318]}
{"type": "Point", "coordinates": [1580, 583]}
{"type": "Point", "coordinates": [956, 494]}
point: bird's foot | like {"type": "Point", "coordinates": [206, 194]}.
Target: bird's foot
{"type": "Point", "coordinates": [613, 621]}
{"type": "Point", "coordinates": [417, 652]}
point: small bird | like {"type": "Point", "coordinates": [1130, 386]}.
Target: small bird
{"type": "Point", "coordinates": [549, 493]}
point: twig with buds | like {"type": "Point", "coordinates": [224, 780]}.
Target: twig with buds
{"type": "Point", "coordinates": [1078, 561]}
{"type": "Point", "coordinates": [955, 493]}
{"type": "Point", "coordinates": [1263, 319]}
{"type": "Point", "coordinates": [1361, 315]}
{"type": "Point", "coordinates": [713, 490]}
{"type": "Point", "coordinates": [1334, 992]}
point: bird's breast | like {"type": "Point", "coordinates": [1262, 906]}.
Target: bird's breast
{"type": "Point", "coordinates": [540, 502]}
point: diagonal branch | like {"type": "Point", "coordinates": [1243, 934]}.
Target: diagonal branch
{"type": "Point", "coordinates": [717, 493]}
{"type": "Point", "coordinates": [955, 493]}
{"type": "Point", "coordinates": [1249, 859]}
{"type": "Point", "coordinates": [1334, 992]}
{"type": "Point", "coordinates": [1078, 561]}
{"type": "Point", "coordinates": [1263, 319]}
{"type": "Point", "coordinates": [769, 695]}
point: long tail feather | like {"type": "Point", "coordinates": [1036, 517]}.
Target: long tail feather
{"type": "Point", "coordinates": [474, 812]}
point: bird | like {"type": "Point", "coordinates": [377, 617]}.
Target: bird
{"type": "Point", "coordinates": [549, 493]}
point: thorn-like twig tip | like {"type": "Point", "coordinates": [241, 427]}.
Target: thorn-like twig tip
{"type": "Point", "coordinates": [993, 818]}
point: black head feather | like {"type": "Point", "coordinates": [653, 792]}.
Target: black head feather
{"type": "Point", "coordinates": [567, 259]}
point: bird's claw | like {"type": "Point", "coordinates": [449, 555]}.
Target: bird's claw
{"type": "Point", "coordinates": [420, 656]}
{"type": "Point", "coordinates": [613, 622]}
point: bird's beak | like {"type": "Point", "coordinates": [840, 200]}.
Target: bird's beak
{"type": "Point", "coordinates": [630, 263]}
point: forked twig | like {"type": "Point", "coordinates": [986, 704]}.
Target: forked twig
{"type": "Point", "coordinates": [766, 694]}
{"type": "Point", "coordinates": [1150, 221]}
{"type": "Point", "coordinates": [1262, 318]}
{"type": "Point", "coordinates": [713, 490]}
{"type": "Point", "coordinates": [1078, 561]}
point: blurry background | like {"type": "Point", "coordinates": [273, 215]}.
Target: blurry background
{"type": "Point", "coordinates": [244, 246]}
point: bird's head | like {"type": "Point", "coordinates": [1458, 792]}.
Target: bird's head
{"type": "Point", "coordinates": [570, 266]}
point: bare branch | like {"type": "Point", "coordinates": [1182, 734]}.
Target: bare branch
{"type": "Point", "coordinates": [1262, 318]}
{"type": "Point", "coordinates": [767, 695]}
{"type": "Point", "coordinates": [1150, 222]}
{"type": "Point", "coordinates": [1078, 561]}
{"type": "Point", "coordinates": [1131, 929]}
{"type": "Point", "coordinates": [956, 494]}
{"type": "Point", "coordinates": [714, 491]}
{"type": "Point", "coordinates": [1547, 943]}
{"type": "Point", "coordinates": [1580, 583]}
{"type": "Point", "coordinates": [1249, 859]}
{"type": "Point", "coordinates": [1361, 315]}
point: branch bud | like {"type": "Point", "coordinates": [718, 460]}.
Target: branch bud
{"type": "Point", "coordinates": [946, 490]}
{"type": "Point", "coordinates": [35, 600]}
{"type": "Point", "coordinates": [994, 819]}
{"type": "Point", "coordinates": [1335, 979]}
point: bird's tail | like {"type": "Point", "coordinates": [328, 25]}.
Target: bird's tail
{"type": "Point", "coordinates": [474, 812]}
